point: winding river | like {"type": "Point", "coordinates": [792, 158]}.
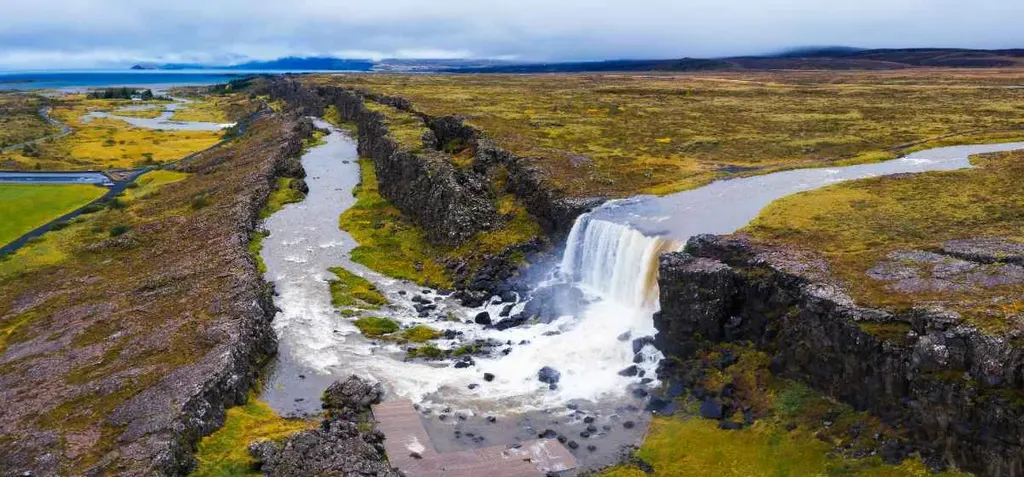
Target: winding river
{"type": "Point", "coordinates": [611, 256]}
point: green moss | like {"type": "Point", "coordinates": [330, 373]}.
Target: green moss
{"type": "Point", "coordinates": [466, 350]}
{"type": "Point", "coordinates": [225, 452]}
{"type": "Point", "coordinates": [282, 195]}
{"type": "Point", "coordinates": [430, 352]}
{"type": "Point", "coordinates": [256, 249]}
{"type": "Point", "coordinates": [420, 334]}
{"type": "Point", "coordinates": [388, 242]}
{"type": "Point", "coordinates": [405, 128]}
{"type": "Point", "coordinates": [351, 290]}
{"type": "Point", "coordinates": [376, 327]}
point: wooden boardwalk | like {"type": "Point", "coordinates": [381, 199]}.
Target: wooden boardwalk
{"type": "Point", "coordinates": [409, 449]}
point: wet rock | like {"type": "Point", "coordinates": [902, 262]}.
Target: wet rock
{"type": "Point", "coordinates": [711, 409]}
{"type": "Point", "coordinates": [508, 296]}
{"type": "Point", "coordinates": [492, 419]}
{"type": "Point", "coordinates": [337, 445]}
{"type": "Point", "coordinates": [573, 445]}
{"type": "Point", "coordinates": [482, 318]}
{"type": "Point", "coordinates": [625, 336]}
{"type": "Point", "coordinates": [591, 447]}
{"type": "Point", "coordinates": [511, 322]}
{"type": "Point", "coordinates": [589, 419]}
{"type": "Point", "coordinates": [585, 434]}
{"type": "Point", "coordinates": [553, 387]}
{"type": "Point", "coordinates": [592, 429]}
{"type": "Point", "coordinates": [473, 386]}
{"type": "Point", "coordinates": [639, 393]}
{"type": "Point", "coordinates": [548, 434]}
{"type": "Point", "coordinates": [463, 363]}
{"type": "Point", "coordinates": [552, 302]}
{"type": "Point", "coordinates": [639, 343]}
{"type": "Point", "coordinates": [488, 377]}
{"type": "Point", "coordinates": [549, 375]}
{"type": "Point", "coordinates": [630, 371]}
{"type": "Point", "coordinates": [506, 310]}
{"type": "Point", "coordinates": [628, 424]}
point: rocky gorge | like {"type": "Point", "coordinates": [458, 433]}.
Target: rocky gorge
{"type": "Point", "coordinates": [954, 387]}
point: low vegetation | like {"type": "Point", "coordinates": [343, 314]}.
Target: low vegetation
{"type": "Point", "coordinates": [25, 207]}
{"type": "Point", "coordinates": [282, 195]}
{"type": "Point", "coordinates": [20, 120]}
{"type": "Point", "coordinates": [376, 327]}
{"type": "Point", "coordinates": [107, 143]}
{"type": "Point", "coordinates": [405, 128]}
{"type": "Point", "coordinates": [133, 290]}
{"type": "Point", "coordinates": [620, 135]}
{"type": "Point", "coordinates": [856, 225]}
{"type": "Point", "coordinates": [796, 431]}
{"type": "Point", "coordinates": [350, 291]}
{"type": "Point", "coordinates": [225, 452]}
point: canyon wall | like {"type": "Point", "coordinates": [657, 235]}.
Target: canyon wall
{"type": "Point", "coordinates": [954, 387]}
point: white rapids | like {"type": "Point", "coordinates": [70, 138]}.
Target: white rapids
{"type": "Point", "coordinates": [611, 254]}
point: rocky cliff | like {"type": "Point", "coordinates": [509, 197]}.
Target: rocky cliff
{"type": "Point", "coordinates": [956, 388]}
{"type": "Point", "coordinates": [127, 359]}
{"type": "Point", "coordinates": [451, 203]}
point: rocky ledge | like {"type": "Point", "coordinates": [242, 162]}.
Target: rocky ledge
{"type": "Point", "coordinates": [954, 387]}
{"type": "Point", "coordinates": [343, 445]}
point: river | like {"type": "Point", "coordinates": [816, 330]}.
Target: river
{"type": "Point", "coordinates": [610, 256]}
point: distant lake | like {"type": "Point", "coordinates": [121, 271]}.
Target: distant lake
{"type": "Point", "coordinates": [71, 80]}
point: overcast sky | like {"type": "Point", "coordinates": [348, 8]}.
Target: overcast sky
{"type": "Point", "coordinates": [98, 33]}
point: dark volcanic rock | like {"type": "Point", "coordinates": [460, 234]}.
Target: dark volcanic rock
{"type": "Point", "coordinates": [711, 409]}
{"type": "Point", "coordinates": [549, 375]}
{"type": "Point", "coordinates": [933, 374]}
{"type": "Point", "coordinates": [554, 301]}
{"type": "Point", "coordinates": [483, 318]}
{"type": "Point", "coordinates": [338, 446]}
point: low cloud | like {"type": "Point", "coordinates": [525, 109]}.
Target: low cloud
{"type": "Point", "coordinates": [97, 33]}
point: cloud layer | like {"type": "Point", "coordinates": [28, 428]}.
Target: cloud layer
{"type": "Point", "coordinates": [97, 33]}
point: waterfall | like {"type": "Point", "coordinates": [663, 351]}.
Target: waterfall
{"type": "Point", "coordinates": [615, 260]}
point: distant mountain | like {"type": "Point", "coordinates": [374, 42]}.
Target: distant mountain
{"type": "Point", "coordinates": [804, 58]}
{"type": "Point", "coordinates": [683, 64]}
{"type": "Point", "coordinates": [291, 63]}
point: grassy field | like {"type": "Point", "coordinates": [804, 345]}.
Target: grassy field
{"type": "Point", "coordinates": [25, 207]}
{"type": "Point", "coordinates": [855, 225]}
{"type": "Point", "coordinates": [20, 120]}
{"type": "Point", "coordinates": [105, 143]}
{"type": "Point", "coordinates": [225, 452]}
{"type": "Point", "coordinates": [626, 134]}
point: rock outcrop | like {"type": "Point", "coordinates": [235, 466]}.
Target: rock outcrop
{"type": "Point", "coordinates": [154, 336]}
{"type": "Point", "coordinates": [340, 446]}
{"type": "Point", "coordinates": [957, 389]}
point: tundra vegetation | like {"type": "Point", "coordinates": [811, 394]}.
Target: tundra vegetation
{"type": "Point", "coordinates": [619, 135]}
{"type": "Point", "coordinates": [107, 143]}
{"type": "Point", "coordinates": [20, 120]}
{"type": "Point", "coordinates": [864, 228]}
{"type": "Point", "coordinates": [118, 307]}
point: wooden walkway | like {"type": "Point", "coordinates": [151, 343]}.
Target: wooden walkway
{"type": "Point", "coordinates": [409, 449]}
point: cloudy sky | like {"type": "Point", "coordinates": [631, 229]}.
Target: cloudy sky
{"type": "Point", "coordinates": [98, 33]}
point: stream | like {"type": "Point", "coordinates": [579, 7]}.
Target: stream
{"type": "Point", "coordinates": [163, 121]}
{"type": "Point", "coordinates": [599, 345]}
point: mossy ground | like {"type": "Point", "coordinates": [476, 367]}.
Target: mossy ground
{"type": "Point", "coordinates": [20, 120]}
{"type": "Point", "coordinates": [620, 135]}
{"type": "Point", "coordinates": [376, 327]}
{"type": "Point", "coordinates": [405, 128]}
{"type": "Point", "coordinates": [282, 195]}
{"type": "Point", "coordinates": [225, 452]}
{"type": "Point", "coordinates": [129, 308]}
{"type": "Point", "coordinates": [826, 437]}
{"type": "Point", "coordinates": [393, 245]}
{"type": "Point", "coordinates": [350, 291]}
{"type": "Point", "coordinates": [25, 207]}
{"type": "Point", "coordinates": [854, 225]}
{"type": "Point", "coordinates": [105, 143]}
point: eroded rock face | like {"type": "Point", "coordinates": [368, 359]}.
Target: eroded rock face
{"type": "Point", "coordinates": [986, 250]}
{"type": "Point", "coordinates": [953, 386]}
{"type": "Point", "coordinates": [340, 446]}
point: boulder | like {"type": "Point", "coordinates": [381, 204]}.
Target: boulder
{"type": "Point", "coordinates": [549, 375]}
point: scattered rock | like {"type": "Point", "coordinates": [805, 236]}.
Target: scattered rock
{"type": "Point", "coordinates": [506, 310]}
{"type": "Point", "coordinates": [711, 409]}
{"type": "Point", "coordinates": [488, 377]}
{"type": "Point", "coordinates": [548, 434]}
{"type": "Point", "coordinates": [483, 318]}
{"type": "Point", "coordinates": [639, 343]}
{"type": "Point", "coordinates": [630, 371]}
{"type": "Point", "coordinates": [548, 375]}
{"type": "Point", "coordinates": [629, 424]}
{"type": "Point", "coordinates": [625, 336]}
{"type": "Point", "coordinates": [573, 445]}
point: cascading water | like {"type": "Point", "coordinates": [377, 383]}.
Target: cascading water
{"type": "Point", "coordinates": [615, 261]}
